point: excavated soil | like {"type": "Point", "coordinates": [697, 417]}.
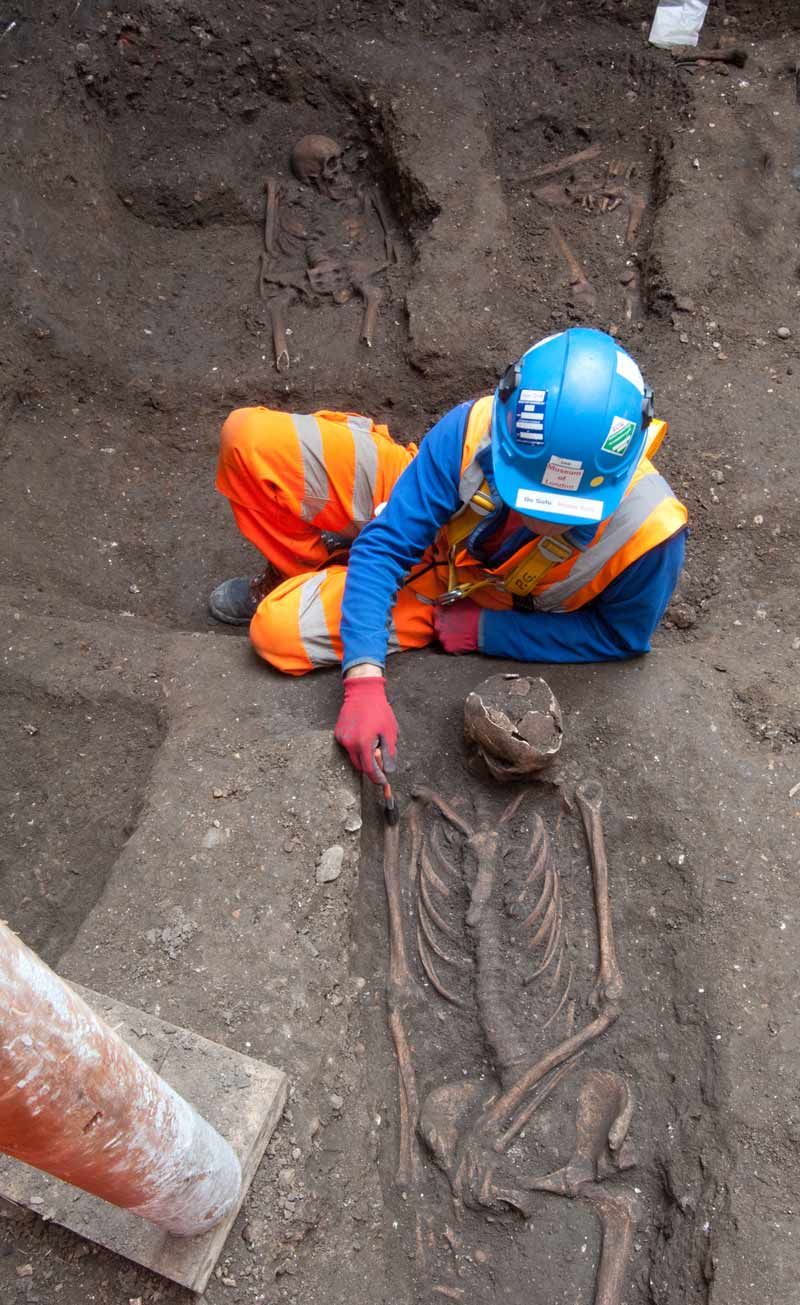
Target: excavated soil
{"type": "Point", "coordinates": [135, 152]}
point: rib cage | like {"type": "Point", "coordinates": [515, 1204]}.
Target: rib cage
{"type": "Point", "coordinates": [489, 925]}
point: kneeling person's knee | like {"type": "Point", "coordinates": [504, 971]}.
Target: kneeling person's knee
{"type": "Point", "coordinates": [292, 628]}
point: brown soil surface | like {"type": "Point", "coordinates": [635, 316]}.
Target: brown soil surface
{"type": "Point", "coordinates": [134, 153]}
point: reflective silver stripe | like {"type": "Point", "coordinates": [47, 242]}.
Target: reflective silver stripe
{"type": "Point", "coordinates": [631, 514]}
{"type": "Point", "coordinates": [393, 646]}
{"type": "Point", "coordinates": [365, 476]}
{"type": "Point", "coordinates": [316, 489]}
{"type": "Point", "coordinates": [314, 634]}
{"type": "Point", "coordinates": [472, 476]}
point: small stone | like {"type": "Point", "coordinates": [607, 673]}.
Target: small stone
{"type": "Point", "coordinates": [695, 163]}
{"type": "Point", "coordinates": [336, 1101]}
{"type": "Point", "coordinates": [795, 645]}
{"type": "Point", "coordinates": [783, 333]}
{"type": "Point", "coordinates": [758, 519]}
{"type": "Point", "coordinates": [685, 305]}
{"type": "Point", "coordinates": [329, 866]}
{"type": "Point", "coordinates": [217, 793]}
{"type": "Point", "coordinates": [296, 1153]}
{"type": "Point", "coordinates": [286, 1177]}
{"type": "Point", "coordinates": [24, 1270]}
{"type": "Point", "coordinates": [683, 337]}
{"type": "Point", "coordinates": [682, 615]}
{"type": "Point", "coordinates": [352, 824]}
{"type": "Point", "coordinates": [718, 476]}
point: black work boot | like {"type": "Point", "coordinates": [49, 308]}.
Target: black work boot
{"type": "Point", "coordinates": [235, 601]}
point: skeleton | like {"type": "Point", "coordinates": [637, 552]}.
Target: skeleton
{"type": "Point", "coordinates": [314, 238]}
{"type": "Point", "coordinates": [600, 196]}
{"type": "Point", "coordinates": [474, 1128]}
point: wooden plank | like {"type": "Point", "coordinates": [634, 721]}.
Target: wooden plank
{"type": "Point", "coordinates": [243, 1098]}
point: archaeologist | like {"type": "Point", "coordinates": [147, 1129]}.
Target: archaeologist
{"type": "Point", "coordinates": [531, 524]}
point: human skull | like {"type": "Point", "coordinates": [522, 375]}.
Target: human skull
{"type": "Point", "coordinates": [318, 159]}
{"type": "Point", "coordinates": [515, 723]}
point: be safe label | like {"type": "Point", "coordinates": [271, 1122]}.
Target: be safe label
{"type": "Point", "coordinates": [529, 421]}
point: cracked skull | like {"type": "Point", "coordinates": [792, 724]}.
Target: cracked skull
{"type": "Point", "coordinates": [515, 723]}
{"type": "Point", "coordinates": [318, 159]}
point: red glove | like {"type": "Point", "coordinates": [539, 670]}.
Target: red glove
{"type": "Point", "coordinates": [366, 722]}
{"type": "Point", "coordinates": [456, 626]}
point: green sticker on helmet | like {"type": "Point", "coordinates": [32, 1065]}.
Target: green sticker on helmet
{"type": "Point", "coordinates": [619, 437]}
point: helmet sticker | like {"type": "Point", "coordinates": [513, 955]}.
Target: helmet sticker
{"type": "Point", "coordinates": [563, 473]}
{"type": "Point", "coordinates": [627, 368]}
{"type": "Point", "coordinates": [619, 436]}
{"type": "Point", "coordinates": [537, 500]}
{"type": "Point", "coordinates": [529, 419]}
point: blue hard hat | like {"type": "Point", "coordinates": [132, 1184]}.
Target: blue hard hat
{"type": "Point", "coordinates": [569, 425]}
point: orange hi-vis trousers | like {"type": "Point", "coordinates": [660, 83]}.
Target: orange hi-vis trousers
{"type": "Point", "coordinates": [291, 478]}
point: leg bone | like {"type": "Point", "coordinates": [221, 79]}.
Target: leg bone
{"type": "Point", "coordinates": [636, 207]}
{"type": "Point", "coordinates": [373, 298]}
{"type": "Point", "coordinates": [277, 311]}
{"type": "Point", "coordinates": [581, 286]}
{"type": "Point", "coordinates": [617, 1211]}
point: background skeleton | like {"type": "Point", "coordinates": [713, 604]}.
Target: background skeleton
{"type": "Point", "coordinates": [319, 239]}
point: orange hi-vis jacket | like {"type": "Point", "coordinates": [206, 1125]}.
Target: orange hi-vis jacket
{"type": "Point", "coordinates": [551, 575]}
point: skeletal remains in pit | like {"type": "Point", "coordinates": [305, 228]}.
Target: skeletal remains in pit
{"type": "Point", "coordinates": [600, 194]}
{"type": "Point", "coordinates": [317, 239]}
{"type": "Point", "coordinates": [490, 940]}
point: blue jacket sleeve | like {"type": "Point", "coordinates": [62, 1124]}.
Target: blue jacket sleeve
{"type": "Point", "coordinates": [424, 498]}
{"type": "Point", "coordinates": [618, 624]}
